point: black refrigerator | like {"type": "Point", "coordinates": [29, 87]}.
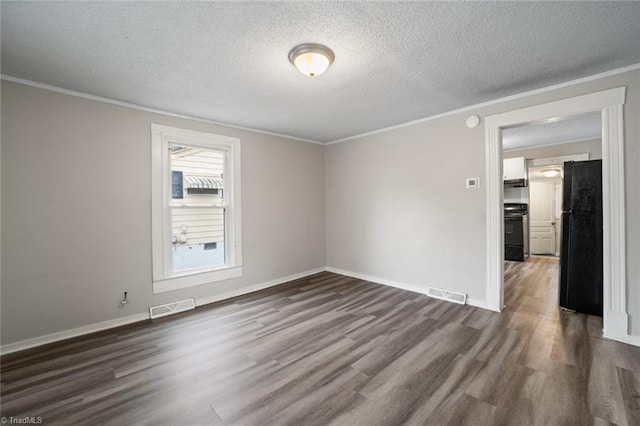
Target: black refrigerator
{"type": "Point", "coordinates": [581, 254]}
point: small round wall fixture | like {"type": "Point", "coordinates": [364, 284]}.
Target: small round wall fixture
{"type": "Point", "coordinates": [473, 121]}
{"type": "Point", "coordinates": [311, 59]}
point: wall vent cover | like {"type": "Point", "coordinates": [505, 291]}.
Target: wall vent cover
{"type": "Point", "coordinates": [172, 308]}
{"type": "Point", "coordinates": [450, 296]}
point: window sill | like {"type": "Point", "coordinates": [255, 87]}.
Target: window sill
{"type": "Point", "coordinates": [195, 279]}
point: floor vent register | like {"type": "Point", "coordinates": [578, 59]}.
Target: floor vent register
{"type": "Point", "coordinates": [450, 296]}
{"type": "Point", "coordinates": [172, 308]}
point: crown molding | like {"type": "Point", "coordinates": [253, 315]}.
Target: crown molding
{"type": "Point", "coordinates": [495, 101]}
{"type": "Point", "coordinates": [147, 109]}
{"type": "Point", "coordinates": [348, 138]}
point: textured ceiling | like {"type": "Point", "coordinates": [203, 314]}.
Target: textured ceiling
{"type": "Point", "coordinates": [571, 129]}
{"type": "Point", "coordinates": [395, 62]}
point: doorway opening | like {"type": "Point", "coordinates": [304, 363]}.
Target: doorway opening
{"type": "Point", "coordinates": [533, 211]}
{"type": "Point", "coordinates": [608, 106]}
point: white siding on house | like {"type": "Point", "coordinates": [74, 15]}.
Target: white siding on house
{"type": "Point", "coordinates": [198, 161]}
{"type": "Point", "coordinates": [197, 225]}
{"type": "Point", "coordinates": [202, 225]}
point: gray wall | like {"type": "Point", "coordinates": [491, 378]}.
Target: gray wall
{"type": "Point", "coordinates": [592, 146]}
{"type": "Point", "coordinates": [397, 207]}
{"type": "Point", "coordinates": [76, 206]}
{"type": "Point", "coordinates": [76, 218]}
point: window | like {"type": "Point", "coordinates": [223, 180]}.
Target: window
{"type": "Point", "coordinates": [195, 208]}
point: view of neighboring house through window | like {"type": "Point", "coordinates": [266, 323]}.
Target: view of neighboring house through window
{"type": "Point", "coordinates": [197, 207]}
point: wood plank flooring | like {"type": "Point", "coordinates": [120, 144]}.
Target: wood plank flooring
{"type": "Point", "coordinates": [329, 349]}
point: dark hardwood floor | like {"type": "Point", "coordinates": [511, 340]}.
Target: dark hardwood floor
{"type": "Point", "coordinates": [329, 349]}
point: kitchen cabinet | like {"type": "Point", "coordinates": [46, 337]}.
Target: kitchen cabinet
{"type": "Point", "coordinates": [514, 168]}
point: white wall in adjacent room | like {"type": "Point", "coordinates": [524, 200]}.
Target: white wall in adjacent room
{"type": "Point", "coordinates": [592, 146]}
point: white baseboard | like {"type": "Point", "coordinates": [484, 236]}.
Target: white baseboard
{"type": "Point", "coordinates": [616, 327]}
{"type": "Point", "coordinates": [478, 303]}
{"type": "Point", "coordinates": [631, 340]}
{"type": "Point", "coordinates": [104, 325]}
{"type": "Point", "coordinates": [68, 334]}
{"type": "Point", "coordinates": [628, 339]}
{"type": "Point", "coordinates": [397, 284]}
{"type": "Point", "coordinates": [245, 290]}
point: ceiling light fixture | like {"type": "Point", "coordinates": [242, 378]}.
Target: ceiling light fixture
{"type": "Point", "coordinates": [550, 173]}
{"type": "Point", "coordinates": [311, 59]}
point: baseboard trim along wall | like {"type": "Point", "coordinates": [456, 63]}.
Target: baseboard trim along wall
{"type": "Point", "coordinates": [397, 284]}
{"type": "Point", "coordinates": [92, 328]}
{"type": "Point", "coordinates": [74, 332]}
{"type": "Point", "coordinates": [629, 339]}
{"type": "Point", "coordinates": [104, 325]}
{"type": "Point", "coordinates": [257, 287]}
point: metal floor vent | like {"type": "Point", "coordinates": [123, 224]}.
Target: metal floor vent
{"type": "Point", "coordinates": [450, 296]}
{"type": "Point", "coordinates": [172, 308]}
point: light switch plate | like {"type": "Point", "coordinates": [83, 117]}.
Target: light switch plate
{"type": "Point", "coordinates": [473, 182]}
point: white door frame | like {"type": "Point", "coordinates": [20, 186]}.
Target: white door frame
{"type": "Point", "coordinates": [610, 103]}
{"type": "Point", "coordinates": [559, 160]}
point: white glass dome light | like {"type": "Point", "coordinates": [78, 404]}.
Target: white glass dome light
{"type": "Point", "coordinates": [311, 59]}
{"type": "Point", "coordinates": [551, 173]}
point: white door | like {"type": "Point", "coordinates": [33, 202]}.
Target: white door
{"type": "Point", "coordinates": [542, 217]}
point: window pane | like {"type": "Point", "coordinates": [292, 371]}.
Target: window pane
{"type": "Point", "coordinates": [198, 237]}
{"type": "Point", "coordinates": [197, 227]}
{"type": "Point", "coordinates": [197, 176]}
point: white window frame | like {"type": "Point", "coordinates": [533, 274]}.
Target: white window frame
{"type": "Point", "coordinates": [164, 279]}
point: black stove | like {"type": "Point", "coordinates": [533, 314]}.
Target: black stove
{"type": "Point", "coordinates": [515, 209]}
{"type": "Point", "coordinates": [516, 231]}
